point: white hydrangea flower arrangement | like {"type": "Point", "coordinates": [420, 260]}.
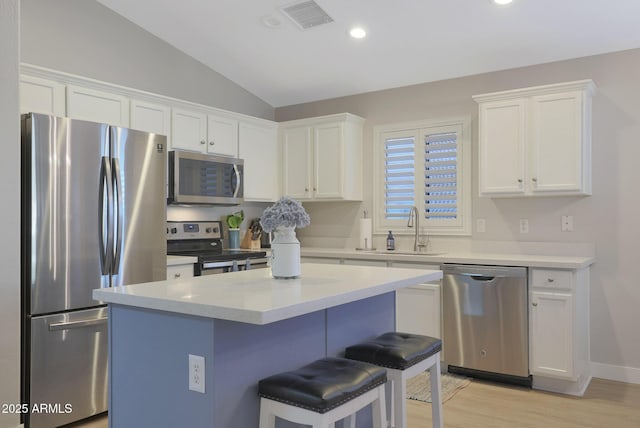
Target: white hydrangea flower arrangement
{"type": "Point", "coordinates": [286, 212]}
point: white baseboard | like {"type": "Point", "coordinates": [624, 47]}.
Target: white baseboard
{"type": "Point", "coordinates": [617, 373]}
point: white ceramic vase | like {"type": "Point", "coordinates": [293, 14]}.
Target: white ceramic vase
{"type": "Point", "coordinates": [285, 253]}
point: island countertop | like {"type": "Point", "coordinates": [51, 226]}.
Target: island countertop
{"type": "Point", "coordinates": [255, 297]}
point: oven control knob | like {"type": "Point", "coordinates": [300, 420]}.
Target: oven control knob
{"type": "Point", "coordinates": [215, 230]}
{"type": "Point", "coordinates": [174, 230]}
{"type": "Point", "coordinates": [208, 230]}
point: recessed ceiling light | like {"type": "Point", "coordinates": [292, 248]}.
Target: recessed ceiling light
{"type": "Point", "coordinates": [270, 21]}
{"type": "Point", "coordinates": [502, 2]}
{"type": "Point", "coordinates": [358, 33]}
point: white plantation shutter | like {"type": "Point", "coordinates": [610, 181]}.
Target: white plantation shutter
{"type": "Point", "coordinates": [427, 166]}
{"type": "Point", "coordinates": [440, 179]}
{"type": "Point", "coordinates": [399, 178]}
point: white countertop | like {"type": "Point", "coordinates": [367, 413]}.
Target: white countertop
{"type": "Point", "coordinates": [181, 260]}
{"type": "Point", "coordinates": [525, 260]}
{"type": "Point", "coordinates": [255, 297]}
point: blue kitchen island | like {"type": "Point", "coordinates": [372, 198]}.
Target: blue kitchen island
{"type": "Point", "coordinates": [247, 326]}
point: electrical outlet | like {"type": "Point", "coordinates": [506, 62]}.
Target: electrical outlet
{"type": "Point", "coordinates": [567, 223]}
{"type": "Point", "coordinates": [196, 373]}
{"type": "Point", "coordinates": [524, 225]}
{"type": "Point", "coordinates": [481, 225]}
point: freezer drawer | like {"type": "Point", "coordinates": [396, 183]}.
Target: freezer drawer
{"type": "Point", "coordinates": [68, 361]}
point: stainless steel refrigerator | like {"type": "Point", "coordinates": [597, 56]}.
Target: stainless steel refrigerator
{"type": "Point", "coordinates": [93, 215]}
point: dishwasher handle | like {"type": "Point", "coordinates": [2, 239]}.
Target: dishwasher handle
{"type": "Point", "coordinates": [480, 278]}
{"type": "Point", "coordinates": [484, 272]}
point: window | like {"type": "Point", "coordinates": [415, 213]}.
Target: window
{"type": "Point", "coordinates": [426, 165]}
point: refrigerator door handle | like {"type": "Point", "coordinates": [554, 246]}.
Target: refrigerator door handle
{"type": "Point", "coordinates": [238, 180]}
{"type": "Point", "coordinates": [57, 326]}
{"type": "Point", "coordinates": [118, 214]}
{"type": "Point", "coordinates": [106, 248]}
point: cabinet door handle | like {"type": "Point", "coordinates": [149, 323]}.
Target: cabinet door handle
{"type": "Point", "coordinates": [534, 304]}
{"type": "Point", "coordinates": [550, 280]}
{"type": "Point", "coordinates": [176, 275]}
{"type": "Point", "coordinates": [519, 180]}
{"type": "Point", "coordinates": [306, 189]}
{"type": "Point", "coordinates": [203, 142]}
{"type": "Point", "coordinates": [535, 180]}
{"type": "Point", "coordinates": [211, 143]}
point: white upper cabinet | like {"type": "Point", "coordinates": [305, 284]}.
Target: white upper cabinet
{"type": "Point", "coordinates": [97, 106]}
{"type": "Point", "coordinates": [258, 147]}
{"type": "Point", "coordinates": [322, 158]}
{"type": "Point", "coordinates": [150, 117]}
{"type": "Point", "coordinates": [536, 141]}
{"type": "Point", "coordinates": [44, 96]}
{"type": "Point", "coordinates": [222, 136]}
{"type": "Point", "coordinates": [188, 130]}
{"type": "Point", "coordinates": [296, 158]}
{"type": "Point", "coordinates": [204, 133]}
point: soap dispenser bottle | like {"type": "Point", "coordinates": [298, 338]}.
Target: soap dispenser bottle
{"type": "Point", "coordinates": [391, 241]}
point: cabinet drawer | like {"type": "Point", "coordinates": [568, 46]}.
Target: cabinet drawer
{"type": "Point", "coordinates": [551, 278]}
{"type": "Point", "coordinates": [179, 271]}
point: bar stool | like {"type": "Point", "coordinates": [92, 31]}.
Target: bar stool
{"type": "Point", "coordinates": [404, 356]}
{"type": "Point", "coordinates": [323, 392]}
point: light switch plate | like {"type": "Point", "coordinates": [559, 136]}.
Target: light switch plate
{"type": "Point", "coordinates": [481, 225]}
{"type": "Point", "coordinates": [567, 223]}
{"type": "Point", "coordinates": [524, 225]}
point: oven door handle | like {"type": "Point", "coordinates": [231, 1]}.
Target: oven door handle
{"type": "Point", "coordinates": [229, 263]}
{"type": "Point", "coordinates": [213, 265]}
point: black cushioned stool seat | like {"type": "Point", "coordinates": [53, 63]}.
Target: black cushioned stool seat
{"type": "Point", "coordinates": [404, 356]}
{"type": "Point", "coordinates": [395, 350]}
{"type": "Point", "coordinates": [323, 392]}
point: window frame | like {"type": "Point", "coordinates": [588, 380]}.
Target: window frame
{"type": "Point", "coordinates": [417, 130]}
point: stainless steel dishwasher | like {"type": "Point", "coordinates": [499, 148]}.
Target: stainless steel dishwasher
{"type": "Point", "coordinates": [485, 322]}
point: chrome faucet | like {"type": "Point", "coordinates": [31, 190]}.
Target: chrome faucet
{"type": "Point", "coordinates": [414, 221]}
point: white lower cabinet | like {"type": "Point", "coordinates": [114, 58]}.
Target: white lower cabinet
{"type": "Point", "coordinates": [320, 260]}
{"type": "Point", "coordinates": [419, 307]}
{"type": "Point", "coordinates": [358, 262]}
{"type": "Point", "coordinates": [552, 334]}
{"type": "Point", "coordinates": [559, 329]}
{"type": "Point", "coordinates": [179, 271]}
{"type": "Point", "coordinates": [418, 310]}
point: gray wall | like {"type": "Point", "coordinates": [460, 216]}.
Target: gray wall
{"type": "Point", "coordinates": [83, 37]}
{"type": "Point", "coordinates": [608, 218]}
{"type": "Point", "coordinates": [9, 218]}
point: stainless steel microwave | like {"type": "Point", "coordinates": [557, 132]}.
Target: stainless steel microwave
{"type": "Point", "coordinates": [201, 179]}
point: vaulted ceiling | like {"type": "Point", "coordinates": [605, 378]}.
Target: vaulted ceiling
{"type": "Point", "coordinates": [254, 44]}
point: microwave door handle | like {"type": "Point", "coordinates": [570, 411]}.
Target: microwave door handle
{"type": "Point", "coordinates": [118, 213]}
{"type": "Point", "coordinates": [238, 178]}
{"type": "Point", "coordinates": [105, 208]}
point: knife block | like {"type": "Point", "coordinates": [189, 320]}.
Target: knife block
{"type": "Point", "coordinates": [248, 243]}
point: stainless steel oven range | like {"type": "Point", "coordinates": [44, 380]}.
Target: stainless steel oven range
{"type": "Point", "coordinates": [204, 240]}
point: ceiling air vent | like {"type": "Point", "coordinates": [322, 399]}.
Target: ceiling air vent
{"type": "Point", "coordinates": [306, 14]}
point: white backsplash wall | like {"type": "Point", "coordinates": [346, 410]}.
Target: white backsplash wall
{"type": "Point", "coordinates": [251, 210]}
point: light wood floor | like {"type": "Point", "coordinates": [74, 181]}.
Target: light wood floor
{"type": "Point", "coordinates": [488, 405]}
{"type": "Point", "coordinates": [606, 404]}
